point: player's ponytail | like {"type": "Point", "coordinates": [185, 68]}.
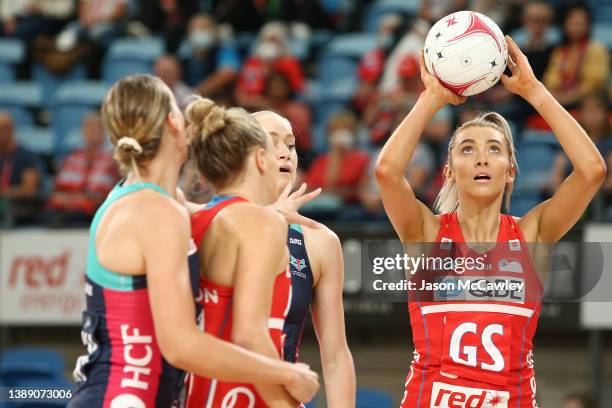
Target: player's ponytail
{"type": "Point", "coordinates": [221, 140]}
{"type": "Point", "coordinates": [448, 198]}
{"type": "Point", "coordinates": [134, 113]}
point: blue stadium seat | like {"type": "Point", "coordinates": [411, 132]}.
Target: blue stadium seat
{"type": "Point", "coordinates": [539, 137]}
{"type": "Point", "coordinates": [19, 99]}
{"type": "Point", "coordinates": [12, 52]}
{"type": "Point", "coordinates": [371, 398]}
{"type": "Point", "coordinates": [536, 156]}
{"type": "Point", "coordinates": [340, 58]}
{"type": "Point", "coordinates": [71, 103]}
{"type": "Point", "coordinates": [50, 82]}
{"type": "Point", "coordinates": [36, 139]}
{"type": "Point", "coordinates": [520, 36]}
{"type": "Point", "coordinates": [602, 32]}
{"type": "Point", "coordinates": [128, 56]}
{"type": "Point", "coordinates": [28, 364]}
{"type": "Point", "coordinates": [521, 203]}
{"type": "Point", "coordinates": [382, 7]}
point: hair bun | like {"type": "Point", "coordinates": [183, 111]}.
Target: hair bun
{"type": "Point", "coordinates": [207, 116]}
{"type": "Point", "coordinates": [129, 145]}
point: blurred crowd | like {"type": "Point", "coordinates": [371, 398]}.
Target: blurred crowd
{"type": "Point", "coordinates": [273, 54]}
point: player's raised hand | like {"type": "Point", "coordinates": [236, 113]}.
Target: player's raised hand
{"type": "Point", "coordinates": [433, 86]}
{"type": "Point", "coordinates": [522, 82]}
{"type": "Point", "coordinates": [289, 204]}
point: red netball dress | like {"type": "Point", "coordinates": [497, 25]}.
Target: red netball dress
{"type": "Point", "coordinates": [474, 346]}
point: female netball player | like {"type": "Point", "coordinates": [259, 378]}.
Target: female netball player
{"type": "Point", "coordinates": [140, 316]}
{"type": "Point", "coordinates": [480, 353]}
{"type": "Point", "coordinates": [242, 252]}
{"type": "Point", "coordinates": [317, 274]}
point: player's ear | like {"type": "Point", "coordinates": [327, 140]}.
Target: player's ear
{"type": "Point", "coordinates": [449, 173]}
{"type": "Point", "coordinates": [260, 159]}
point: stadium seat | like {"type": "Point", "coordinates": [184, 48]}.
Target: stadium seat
{"type": "Point", "coordinates": [340, 58]}
{"type": "Point", "coordinates": [538, 137]}
{"type": "Point", "coordinates": [36, 139]}
{"type": "Point", "coordinates": [382, 7]}
{"type": "Point", "coordinates": [602, 32]}
{"type": "Point", "coordinates": [50, 83]}
{"type": "Point", "coordinates": [520, 36]}
{"type": "Point", "coordinates": [29, 364]}
{"type": "Point", "coordinates": [12, 52]}
{"type": "Point", "coordinates": [71, 103]}
{"type": "Point", "coordinates": [521, 203]}
{"type": "Point", "coordinates": [20, 99]}
{"type": "Point", "coordinates": [128, 56]}
{"type": "Point", "coordinates": [371, 398]}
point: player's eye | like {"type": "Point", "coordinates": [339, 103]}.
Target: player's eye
{"type": "Point", "coordinates": [291, 146]}
{"type": "Point", "coordinates": [494, 149]}
{"type": "Point", "coordinates": [467, 150]}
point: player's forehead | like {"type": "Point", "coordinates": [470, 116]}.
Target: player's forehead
{"type": "Point", "coordinates": [276, 126]}
{"type": "Point", "coordinates": [479, 134]}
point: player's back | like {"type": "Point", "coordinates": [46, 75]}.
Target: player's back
{"type": "Point", "coordinates": [124, 365]}
{"type": "Point", "coordinates": [213, 233]}
{"type": "Point", "coordinates": [473, 344]}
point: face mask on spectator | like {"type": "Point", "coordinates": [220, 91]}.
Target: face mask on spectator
{"type": "Point", "coordinates": [342, 138]}
{"type": "Point", "coordinates": [201, 40]}
{"type": "Point", "coordinates": [268, 51]}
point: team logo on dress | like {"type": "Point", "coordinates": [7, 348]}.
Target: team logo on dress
{"type": "Point", "coordinates": [295, 241]}
{"type": "Point", "coordinates": [446, 243]}
{"type": "Point", "coordinates": [298, 264]}
{"type": "Point", "coordinates": [510, 265]}
{"type": "Point", "coordinates": [447, 395]}
{"type": "Point", "coordinates": [515, 244]}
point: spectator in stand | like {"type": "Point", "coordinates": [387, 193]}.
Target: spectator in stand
{"type": "Point", "coordinates": [433, 10]}
{"type": "Point", "coordinates": [538, 39]}
{"type": "Point", "coordinates": [169, 17]}
{"type": "Point", "coordinates": [419, 174]}
{"type": "Point", "coordinates": [271, 53]}
{"type": "Point", "coordinates": [372, 63]}
{"type": "Point", "coordinates": [594, 116]}
{"type": "Point", "coordinates": [280, 97]}
{"type": "Point", "coordinates": [26, 19]}
{"type": "Point", "coordinates": [383, 112]}
{"type": "Point", "coordinates": [341, 170]}
{"type": "Point", "coordinates": [168, 69]}
{"type": "Point", "coordinates": [20, 175]}
{"type": "Point", "coordinates": [210, 65]}
{"type": "Point", "coordinates": [579, 65]}
{"type": "Point", "coordinates": [497, 10]}
{"type": "Point", "coordinates": [101, 21]}
{"type": "Point", "coordinates": [537, 42]}
{"type": "Point", "coordinates": [579, 400]}
{"type": "Point", "coordinates": [84, 179]}
{"type": "Point", "coordinates": [242, 15]}
{"type": "Point", "coordinates": [310, 13]}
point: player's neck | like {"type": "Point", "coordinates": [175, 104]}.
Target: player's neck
{"type": "Point", "coordinates": [249, 191]}
{"type": "Point", "coordinates": [159, 172]}
{"type": "Point", "coordinates": [479, 223]}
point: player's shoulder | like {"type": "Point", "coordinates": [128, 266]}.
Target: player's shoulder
{"type": "Point", "coordinates": [148, 205]}
{"type": "Point", "coordinates": [320, 240]}
{"type": "Point", "coordinates": [246, 216]}
{"type": "Point", "coordinates": [323, 234]}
